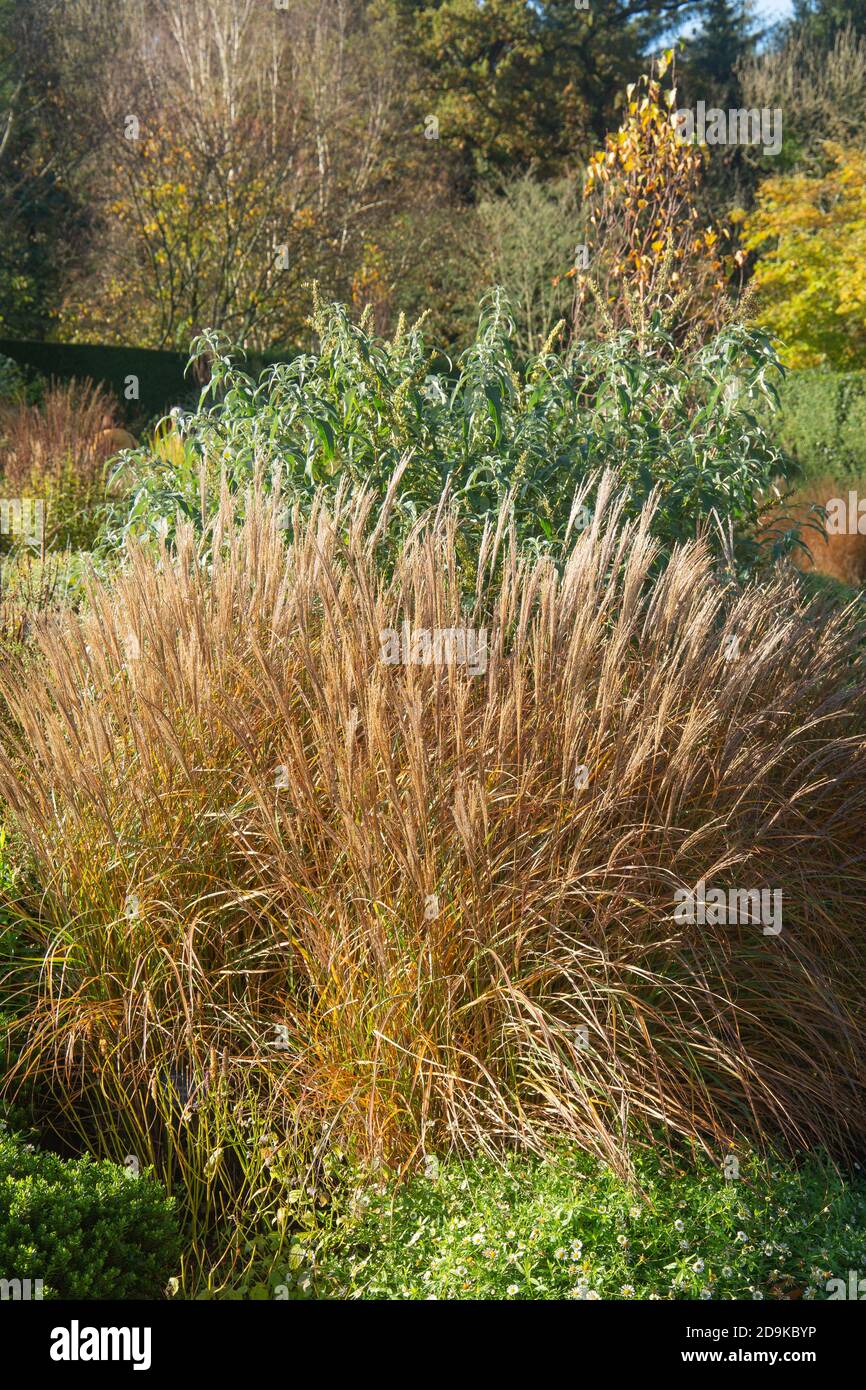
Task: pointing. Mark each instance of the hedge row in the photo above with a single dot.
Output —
(822, 423)
(159, 376)
(161, 380)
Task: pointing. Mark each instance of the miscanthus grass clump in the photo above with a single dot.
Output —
(295, 872)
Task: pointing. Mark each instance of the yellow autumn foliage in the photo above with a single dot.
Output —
(809, 232)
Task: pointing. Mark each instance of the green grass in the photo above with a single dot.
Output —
(567, 1227)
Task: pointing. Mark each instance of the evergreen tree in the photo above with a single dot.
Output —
(822, 19)
(711, 55)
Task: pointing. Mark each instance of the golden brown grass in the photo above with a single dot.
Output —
(57, 450)
(224, 956)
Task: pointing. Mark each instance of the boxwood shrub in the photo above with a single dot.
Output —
(86, 1229)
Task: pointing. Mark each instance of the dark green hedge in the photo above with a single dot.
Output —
(822, 423)
(162, 379)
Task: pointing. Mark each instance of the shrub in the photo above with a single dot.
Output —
(524, 234)
(570, 1227)
(821, 424)
(680, 419)
(820, 86)
(288, 890)
(88, 1230)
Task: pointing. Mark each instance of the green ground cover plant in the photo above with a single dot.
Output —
(567, 1226)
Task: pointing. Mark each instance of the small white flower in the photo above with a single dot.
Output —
(679, 1226)
(511, 1290)
(627, 1291)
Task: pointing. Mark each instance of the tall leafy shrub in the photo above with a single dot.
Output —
(489, 428)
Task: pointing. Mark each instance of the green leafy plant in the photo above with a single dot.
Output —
(677, 419)
(87, 1230)
(570, 1227)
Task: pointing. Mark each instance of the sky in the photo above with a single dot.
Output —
(773, 9)
(766, 12)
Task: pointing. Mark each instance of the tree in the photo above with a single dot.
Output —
(822, 19)
(239, 151)
(35, 204)
(651, 244)
(712, 55)
(810, 235)
(517, 85)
